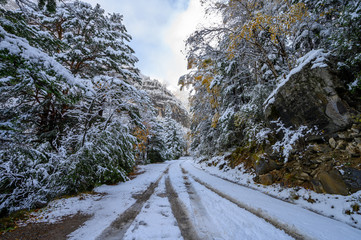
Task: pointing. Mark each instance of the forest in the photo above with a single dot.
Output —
(276, 91)
(275, 88)
(235, 66)
(73, 113)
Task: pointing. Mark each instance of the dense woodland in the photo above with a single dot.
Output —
(235, 66)
(264, 95)
(73, 113)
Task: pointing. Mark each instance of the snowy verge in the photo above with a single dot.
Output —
(310, 224)
(334, 206)
(104, 206)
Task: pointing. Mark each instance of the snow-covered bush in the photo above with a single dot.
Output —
(290, 138)
(30, 177)
(106, 157)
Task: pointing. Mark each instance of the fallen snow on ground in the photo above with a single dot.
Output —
(296, 218)
(334, 206)
(156, 220)
(217, 218)
(104, 207)
(210, 215)
(231, 222)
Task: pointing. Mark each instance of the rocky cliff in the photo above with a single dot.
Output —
(312, 96)
(165, 102)
(314, 132)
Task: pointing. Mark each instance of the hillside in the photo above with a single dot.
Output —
(165, 102)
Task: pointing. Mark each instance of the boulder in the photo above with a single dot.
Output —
(263, 166)
(341, 145)
(266, 179)
(332, 142)
(352, 178)
(332, 182)
(303, 176)
(320, 148)
(317, 186)
(353, 150)
(309, 96)
(343, 135)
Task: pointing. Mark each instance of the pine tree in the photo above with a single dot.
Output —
(36, 93)
(50, 5)
(66, 121)
(96, 44)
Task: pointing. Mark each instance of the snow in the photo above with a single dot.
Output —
(231, 222)
(295, 217)
(354, 15)
(20, 46)
(263, 134)
(212, 216)
(290, 137)
(156, 220)
(354, 83)
(317, 57)
(333, 206)
(105, 209)
(228, 113)
(217, 218)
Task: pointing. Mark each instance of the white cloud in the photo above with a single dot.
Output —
(143, 18)
(159, 29)
(180, 28)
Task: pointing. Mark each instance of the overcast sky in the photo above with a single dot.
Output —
(159, 29)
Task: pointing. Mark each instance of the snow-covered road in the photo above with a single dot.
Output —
(177, 200)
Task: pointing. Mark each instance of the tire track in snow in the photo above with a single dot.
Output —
(180, 213)
(119, 226)
(202, 216)
(275, 197)
(257, 212)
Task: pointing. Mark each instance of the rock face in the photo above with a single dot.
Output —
(309, 96)
(332, 182)
(313, 95)
(352, 178)
(264, 166)
(165, 101)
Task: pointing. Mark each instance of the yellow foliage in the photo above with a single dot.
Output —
(142, 137)
(191, 62)
(198, 78)
(279, 25)
(215, 120)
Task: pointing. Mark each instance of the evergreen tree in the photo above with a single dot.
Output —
(96, 44)
(66, 118)
(50, 5)
(235, 65)
(36, 93)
